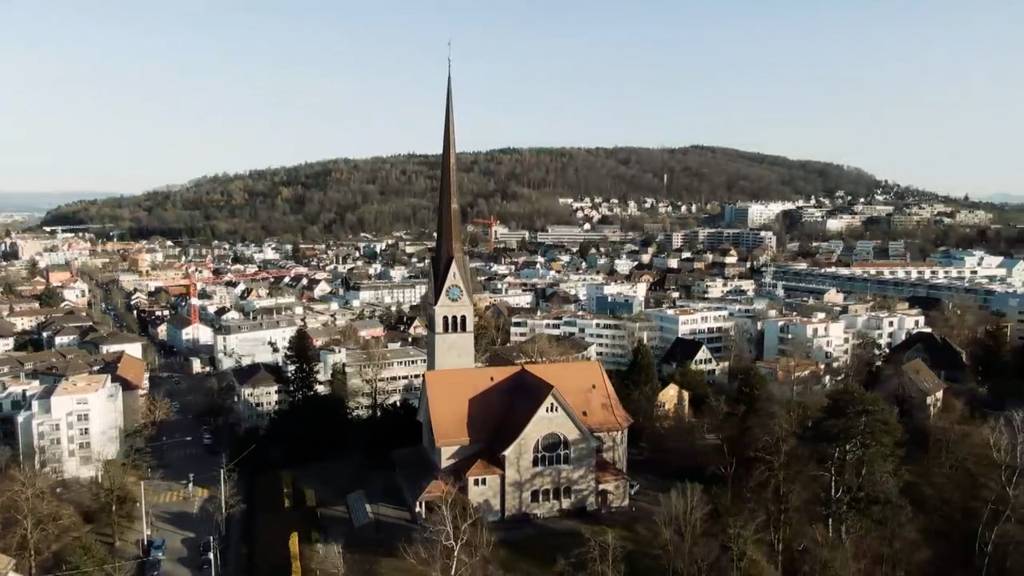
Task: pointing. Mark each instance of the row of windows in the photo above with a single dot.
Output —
(453, 323)
(548, 494)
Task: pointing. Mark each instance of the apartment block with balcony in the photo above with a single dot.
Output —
(71, 427)
(817, 338)
(886, 328)
(710, 325)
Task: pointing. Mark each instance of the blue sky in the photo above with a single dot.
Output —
(126, 96)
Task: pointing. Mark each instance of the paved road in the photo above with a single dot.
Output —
(182, 517)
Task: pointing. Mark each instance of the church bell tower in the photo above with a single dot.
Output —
(450, 318)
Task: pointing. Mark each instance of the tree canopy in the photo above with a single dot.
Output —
(336, 198)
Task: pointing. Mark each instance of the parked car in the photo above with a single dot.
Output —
(156, 547)
(149, 567)
(206, 565)
(205, 547)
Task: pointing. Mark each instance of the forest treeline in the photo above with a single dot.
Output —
(343, 197)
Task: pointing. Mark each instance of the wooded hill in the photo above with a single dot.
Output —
(342, 197)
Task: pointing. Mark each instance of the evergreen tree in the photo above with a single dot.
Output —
(51, 297)
(640, 385)
(302, 358)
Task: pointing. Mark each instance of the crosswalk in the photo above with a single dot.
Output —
(181, 495)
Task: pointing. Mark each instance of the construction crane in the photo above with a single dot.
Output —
(492, 225)
(193, 309)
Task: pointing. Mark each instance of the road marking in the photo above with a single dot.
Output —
(180, 495)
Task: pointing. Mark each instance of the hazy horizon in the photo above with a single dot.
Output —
(125, 98)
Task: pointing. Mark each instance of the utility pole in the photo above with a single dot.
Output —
(213, 565)
(223, 500)
(142, 499)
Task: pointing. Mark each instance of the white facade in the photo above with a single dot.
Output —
(710, 325)
(592, 291)
(243, 342)
(715, 288)
(74, 426)
(886, 328)
(824, 341)
(754, 214)
(395, 374)
(613, 339)
(387, 293)
(713, 238)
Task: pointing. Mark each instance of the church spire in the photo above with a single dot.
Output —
(448, 250)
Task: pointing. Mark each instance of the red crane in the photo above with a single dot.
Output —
(492, 225)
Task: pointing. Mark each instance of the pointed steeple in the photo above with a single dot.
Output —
(448, 249)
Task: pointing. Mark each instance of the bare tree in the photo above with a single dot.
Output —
(681, 519)
(30, 515)
(6, 453)
(602, 554)
(155, 410)
(371, 372)
(1006, 441)
(114, 494)
(454, 540)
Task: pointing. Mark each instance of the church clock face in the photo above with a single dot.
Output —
(454, 293)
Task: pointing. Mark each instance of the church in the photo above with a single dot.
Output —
(527, 440)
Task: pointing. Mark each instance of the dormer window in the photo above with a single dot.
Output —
(551, 408)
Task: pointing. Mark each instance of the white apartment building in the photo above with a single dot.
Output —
(563, 234)
(251, 341)
(593, 291)
(972, 217)
(403, 294)
(843, 222)
(714, 238)
(886, 328)
(613, 338)
(824, 341)
(393, 374)
(73, 426)
(754, 214)
(714, 288)
(710, 325)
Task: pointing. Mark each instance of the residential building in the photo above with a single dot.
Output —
(405, 294)
(391, 375)
(817, 338)
(185, 336)
(260, 392)
(73, 426)
(711, 325)
(252, 341)
(716, 288)
(886, 328)
(7, 332)
(754, 214)
(715, 238)
(613, 338)
(693, 353)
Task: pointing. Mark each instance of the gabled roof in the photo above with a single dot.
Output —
(940, 353)
(7, 330)
(258, 376)
(919, 380)
(682, 351)
(130, 372)
(486, 405)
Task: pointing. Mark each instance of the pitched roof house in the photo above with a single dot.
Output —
(535, 439)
